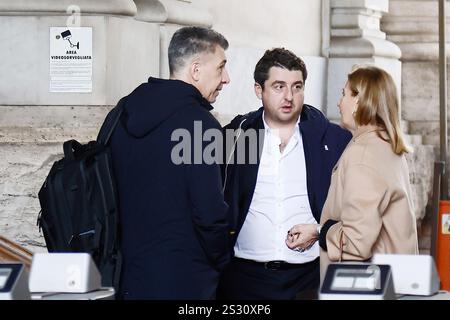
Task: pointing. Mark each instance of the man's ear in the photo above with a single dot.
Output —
(258, 90)
(194, 70)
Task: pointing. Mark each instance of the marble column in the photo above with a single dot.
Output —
(413, 26)
(356, 38)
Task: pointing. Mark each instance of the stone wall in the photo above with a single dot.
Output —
(34, 122)
(420, 163)
(30, 141)
(413, 26)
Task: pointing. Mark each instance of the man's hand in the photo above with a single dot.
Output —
(301, 237)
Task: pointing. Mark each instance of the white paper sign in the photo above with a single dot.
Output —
(71, 59)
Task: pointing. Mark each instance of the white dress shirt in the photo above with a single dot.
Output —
(279, 202)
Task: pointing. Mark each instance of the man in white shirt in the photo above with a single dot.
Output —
(286, 186)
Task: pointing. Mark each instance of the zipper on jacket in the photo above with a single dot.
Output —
(231, 155)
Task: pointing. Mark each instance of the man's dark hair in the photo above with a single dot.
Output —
(189, 41)
(278, 57)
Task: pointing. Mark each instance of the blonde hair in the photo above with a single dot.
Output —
(378, 103)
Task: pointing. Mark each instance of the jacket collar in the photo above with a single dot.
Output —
(185, 88)
(366, 130)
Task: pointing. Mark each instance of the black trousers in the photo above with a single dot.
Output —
(248, 280)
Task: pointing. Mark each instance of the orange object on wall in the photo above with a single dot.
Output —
(443, 244)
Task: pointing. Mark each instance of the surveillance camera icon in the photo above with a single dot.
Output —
(66, 36)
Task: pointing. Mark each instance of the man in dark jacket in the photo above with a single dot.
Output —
(173, 216)
(286, 185)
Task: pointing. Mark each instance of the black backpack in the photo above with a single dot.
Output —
(79, 202)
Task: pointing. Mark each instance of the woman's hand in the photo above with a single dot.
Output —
(301, 237)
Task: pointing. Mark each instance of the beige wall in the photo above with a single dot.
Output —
(295, 24)
(253, 26)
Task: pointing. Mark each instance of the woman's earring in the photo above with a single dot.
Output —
(354, 113)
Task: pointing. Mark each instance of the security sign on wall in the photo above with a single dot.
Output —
(71, 59)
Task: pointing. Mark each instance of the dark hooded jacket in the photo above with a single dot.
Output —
(323, 144)
(173, 216)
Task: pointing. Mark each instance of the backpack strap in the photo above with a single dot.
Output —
(111, 121)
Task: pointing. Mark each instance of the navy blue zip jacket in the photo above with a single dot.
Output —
(173, 217)
(323, 144)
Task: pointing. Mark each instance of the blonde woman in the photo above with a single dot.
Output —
(369, 207)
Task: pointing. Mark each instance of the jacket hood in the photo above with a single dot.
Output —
(154, 102)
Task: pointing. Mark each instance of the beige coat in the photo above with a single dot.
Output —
(370, 196)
